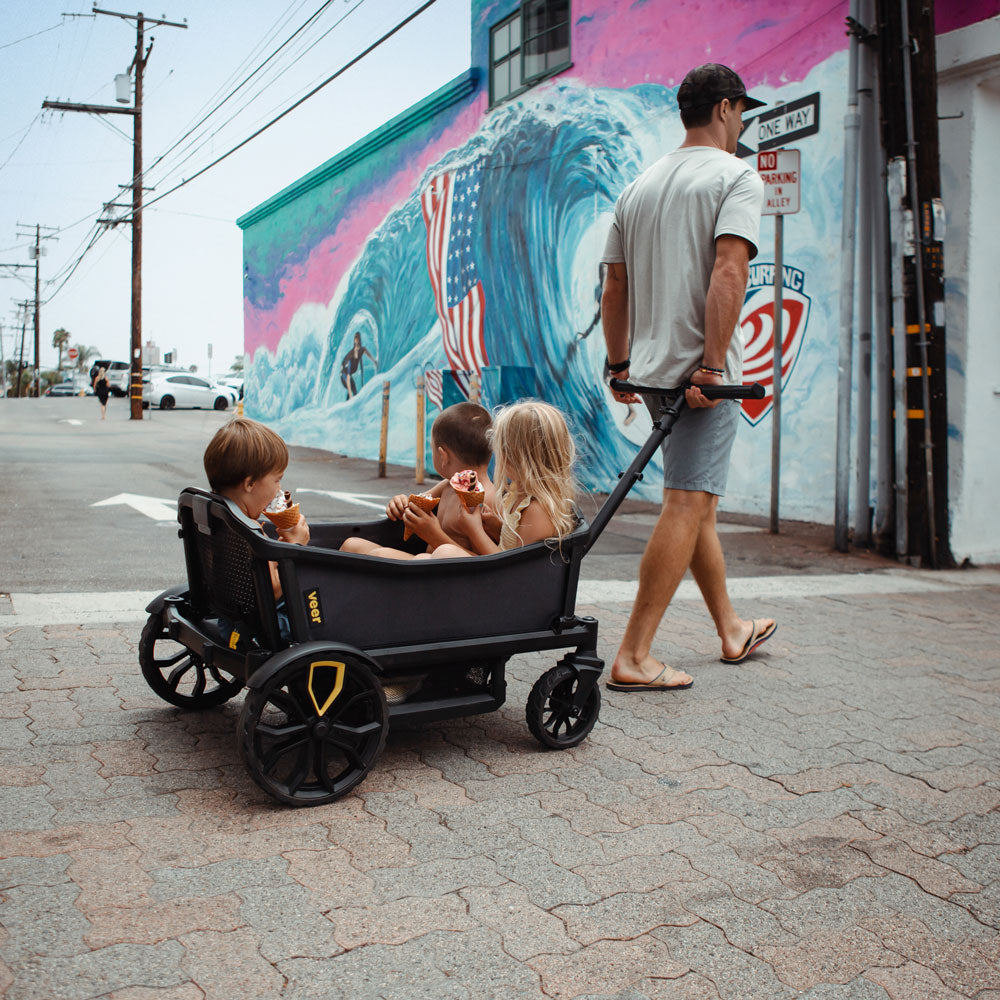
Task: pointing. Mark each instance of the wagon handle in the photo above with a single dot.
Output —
(662, 425)
(754, 391)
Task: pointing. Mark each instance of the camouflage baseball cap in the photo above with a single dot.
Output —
(709, 84)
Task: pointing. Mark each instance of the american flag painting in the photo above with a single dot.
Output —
(432, 385)
(449, 204)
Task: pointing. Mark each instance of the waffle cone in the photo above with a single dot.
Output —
(424, 503)
(284, 519)
(470, 498)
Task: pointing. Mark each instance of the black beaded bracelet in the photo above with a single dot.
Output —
(711, 371)
(620, 367)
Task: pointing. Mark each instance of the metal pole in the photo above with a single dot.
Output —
(863, 484)
(923, 329)
(3, 367)
(779, 309)
(20, 360)
(421, 429)
(383, 442)
(847, 246)
(897, 230)
(135, 374)
(37, 380)
(876, 178)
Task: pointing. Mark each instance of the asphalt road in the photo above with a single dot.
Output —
(60, 460)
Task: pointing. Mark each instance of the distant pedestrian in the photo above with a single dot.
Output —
(678, 257)
(102, 389)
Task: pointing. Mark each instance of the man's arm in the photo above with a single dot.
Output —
(614, 319)
(726, 290)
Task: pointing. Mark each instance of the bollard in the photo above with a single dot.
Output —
(421, 430)
(239, 408)
(383, 443)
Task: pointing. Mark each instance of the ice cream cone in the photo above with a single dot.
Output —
(471, 499)
(422, 501)
(284, 519)
(469, 489)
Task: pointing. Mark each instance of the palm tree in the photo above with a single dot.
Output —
(59, 340)
(84, 354)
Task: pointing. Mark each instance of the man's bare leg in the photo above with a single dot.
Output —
(666, 559)
(708, 567)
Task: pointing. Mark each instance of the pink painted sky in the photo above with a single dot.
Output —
(952, 14)
(762, 42)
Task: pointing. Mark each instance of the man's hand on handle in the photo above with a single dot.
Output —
(694, 396)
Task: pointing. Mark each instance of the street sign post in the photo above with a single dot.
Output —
(781, 172)
(72, 354)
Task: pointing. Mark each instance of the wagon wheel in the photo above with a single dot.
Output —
(177, 675)
(314, 729)
(550, 714)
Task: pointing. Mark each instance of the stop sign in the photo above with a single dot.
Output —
(72, 353)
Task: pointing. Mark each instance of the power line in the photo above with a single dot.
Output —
(199, 143)
(18, 41)
(312, 17)
(333, 76)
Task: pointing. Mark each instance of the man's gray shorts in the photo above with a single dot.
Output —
(696, 452)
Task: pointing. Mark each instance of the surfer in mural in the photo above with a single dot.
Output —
(678, 255)
(353, 360)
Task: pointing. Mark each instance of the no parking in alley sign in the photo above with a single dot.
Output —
(780, 171)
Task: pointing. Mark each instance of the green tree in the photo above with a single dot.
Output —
(59, 340)
(237, 365)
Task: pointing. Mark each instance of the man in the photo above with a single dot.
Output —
(678, 257)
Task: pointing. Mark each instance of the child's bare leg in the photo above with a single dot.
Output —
(383, 552)
(359, 545)
(446, 551)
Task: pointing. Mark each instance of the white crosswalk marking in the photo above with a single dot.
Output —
(128, 605)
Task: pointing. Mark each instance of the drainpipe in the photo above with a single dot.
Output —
(897, 231)
(862, 492)
(847, 247)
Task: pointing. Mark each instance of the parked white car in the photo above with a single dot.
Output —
(169, 389)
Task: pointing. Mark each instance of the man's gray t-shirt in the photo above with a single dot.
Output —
(666, 224)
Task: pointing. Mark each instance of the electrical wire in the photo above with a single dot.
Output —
(333, 76)
(18, 41)
(199, 143)
(312, 17)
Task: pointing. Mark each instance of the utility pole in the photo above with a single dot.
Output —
(908, 76)
(36, 251)
(139, 61)
(22, 308)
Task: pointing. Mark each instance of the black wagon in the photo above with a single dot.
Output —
(373, 641)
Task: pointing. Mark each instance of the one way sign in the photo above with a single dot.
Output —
(780, 126)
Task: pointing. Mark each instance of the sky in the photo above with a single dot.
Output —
(57, 169)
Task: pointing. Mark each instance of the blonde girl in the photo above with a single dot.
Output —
(534, 456)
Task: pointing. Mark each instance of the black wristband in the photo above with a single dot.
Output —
(620, 367)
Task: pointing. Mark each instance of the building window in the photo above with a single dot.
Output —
(546, 37)
(505, 59)
(528, 46)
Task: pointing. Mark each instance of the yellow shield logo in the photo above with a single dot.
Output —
(326, 678)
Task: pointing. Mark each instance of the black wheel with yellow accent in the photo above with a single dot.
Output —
(550, 712)
(177, 675)
(313, 730)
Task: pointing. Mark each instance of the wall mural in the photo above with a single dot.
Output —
(488, 259)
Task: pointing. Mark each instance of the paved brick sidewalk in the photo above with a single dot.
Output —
(822, 822)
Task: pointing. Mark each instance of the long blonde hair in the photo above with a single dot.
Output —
(534, 458)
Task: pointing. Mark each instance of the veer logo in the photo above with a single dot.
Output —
(757, 325)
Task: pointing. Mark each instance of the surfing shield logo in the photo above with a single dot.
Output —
(757, 325)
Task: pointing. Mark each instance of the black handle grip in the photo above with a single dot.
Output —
(754, 391)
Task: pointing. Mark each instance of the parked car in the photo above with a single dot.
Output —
(234, 382)
(169, 389)
(69, 388)
(118, 375)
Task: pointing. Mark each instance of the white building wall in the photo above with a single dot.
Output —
(969, 84)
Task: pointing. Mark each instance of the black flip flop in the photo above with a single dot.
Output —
(648, 685)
